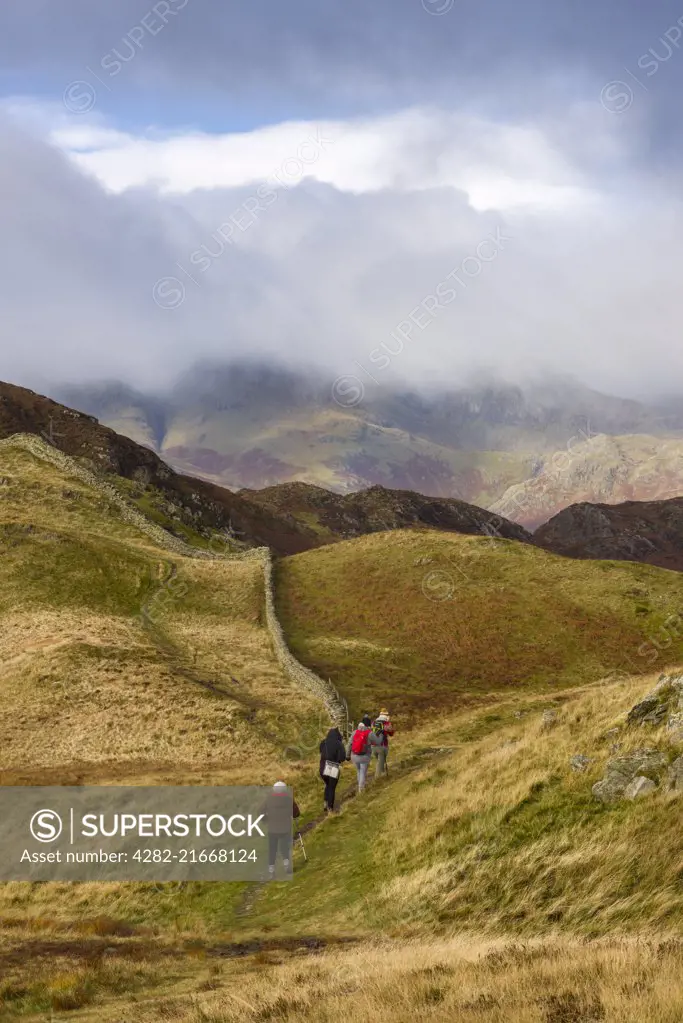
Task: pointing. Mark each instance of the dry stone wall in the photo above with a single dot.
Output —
(335, 704)
(298, 674)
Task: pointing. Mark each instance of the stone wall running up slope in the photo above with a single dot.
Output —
(298, 674)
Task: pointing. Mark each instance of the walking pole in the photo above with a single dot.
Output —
(303, 847)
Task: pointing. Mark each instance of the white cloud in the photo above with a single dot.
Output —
(498, 166)
(328, 270)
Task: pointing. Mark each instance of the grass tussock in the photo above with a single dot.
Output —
(62, 985)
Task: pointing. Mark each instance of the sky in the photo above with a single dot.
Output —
(421, 190)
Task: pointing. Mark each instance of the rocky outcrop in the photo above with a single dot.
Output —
(640, 786)
(639, 766)
(662, 705)
(645, 531)
(641, 772)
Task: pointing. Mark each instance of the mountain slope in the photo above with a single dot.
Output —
(495, 833)
(142, 663)
(600, 469)
(289, 518)
(254, 425)
(432, 621)
(183, 504)
(645, 531)
(481, 825)
(342, 516)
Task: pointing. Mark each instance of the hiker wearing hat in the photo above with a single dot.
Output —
(332, 756)
(383, 728)
(280, 810)
(360, 749)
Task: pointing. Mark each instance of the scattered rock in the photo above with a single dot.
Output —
(659, 704)
(640, 786)
(579, 762)
(649, 711)
(620, 772)
(675, 776)
(549, 718)
(675, 727)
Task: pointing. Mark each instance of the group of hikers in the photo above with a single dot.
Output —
(370, 739)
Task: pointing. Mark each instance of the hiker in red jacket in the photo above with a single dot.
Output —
(383, 728)
(280, 810)
(360, 749)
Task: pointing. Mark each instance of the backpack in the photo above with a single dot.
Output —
(359, 742)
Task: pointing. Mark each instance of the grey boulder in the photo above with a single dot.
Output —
(640, 786)
(620, 772)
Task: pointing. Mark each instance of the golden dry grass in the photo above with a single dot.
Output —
(500, 835)
(119, 661)
(508, 836)
(492, 833)
(462, 980)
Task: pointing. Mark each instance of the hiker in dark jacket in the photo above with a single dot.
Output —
(280, 810)
(332, 756)
(384, 729)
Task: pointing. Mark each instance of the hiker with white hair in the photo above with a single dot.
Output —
(360, 749)
(280, 810)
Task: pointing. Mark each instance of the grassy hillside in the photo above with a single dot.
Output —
(138, 663)
(431, 620)
(479, 882)
(499, 835)
(124, 662)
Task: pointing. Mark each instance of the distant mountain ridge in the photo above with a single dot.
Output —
(288, 519)
(291, 518)
(250, 425)
(646, 531)
(601, 469)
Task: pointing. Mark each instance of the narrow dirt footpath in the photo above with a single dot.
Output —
(399, 769)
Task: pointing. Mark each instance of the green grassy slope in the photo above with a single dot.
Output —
(500, 835)
(427, 619)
